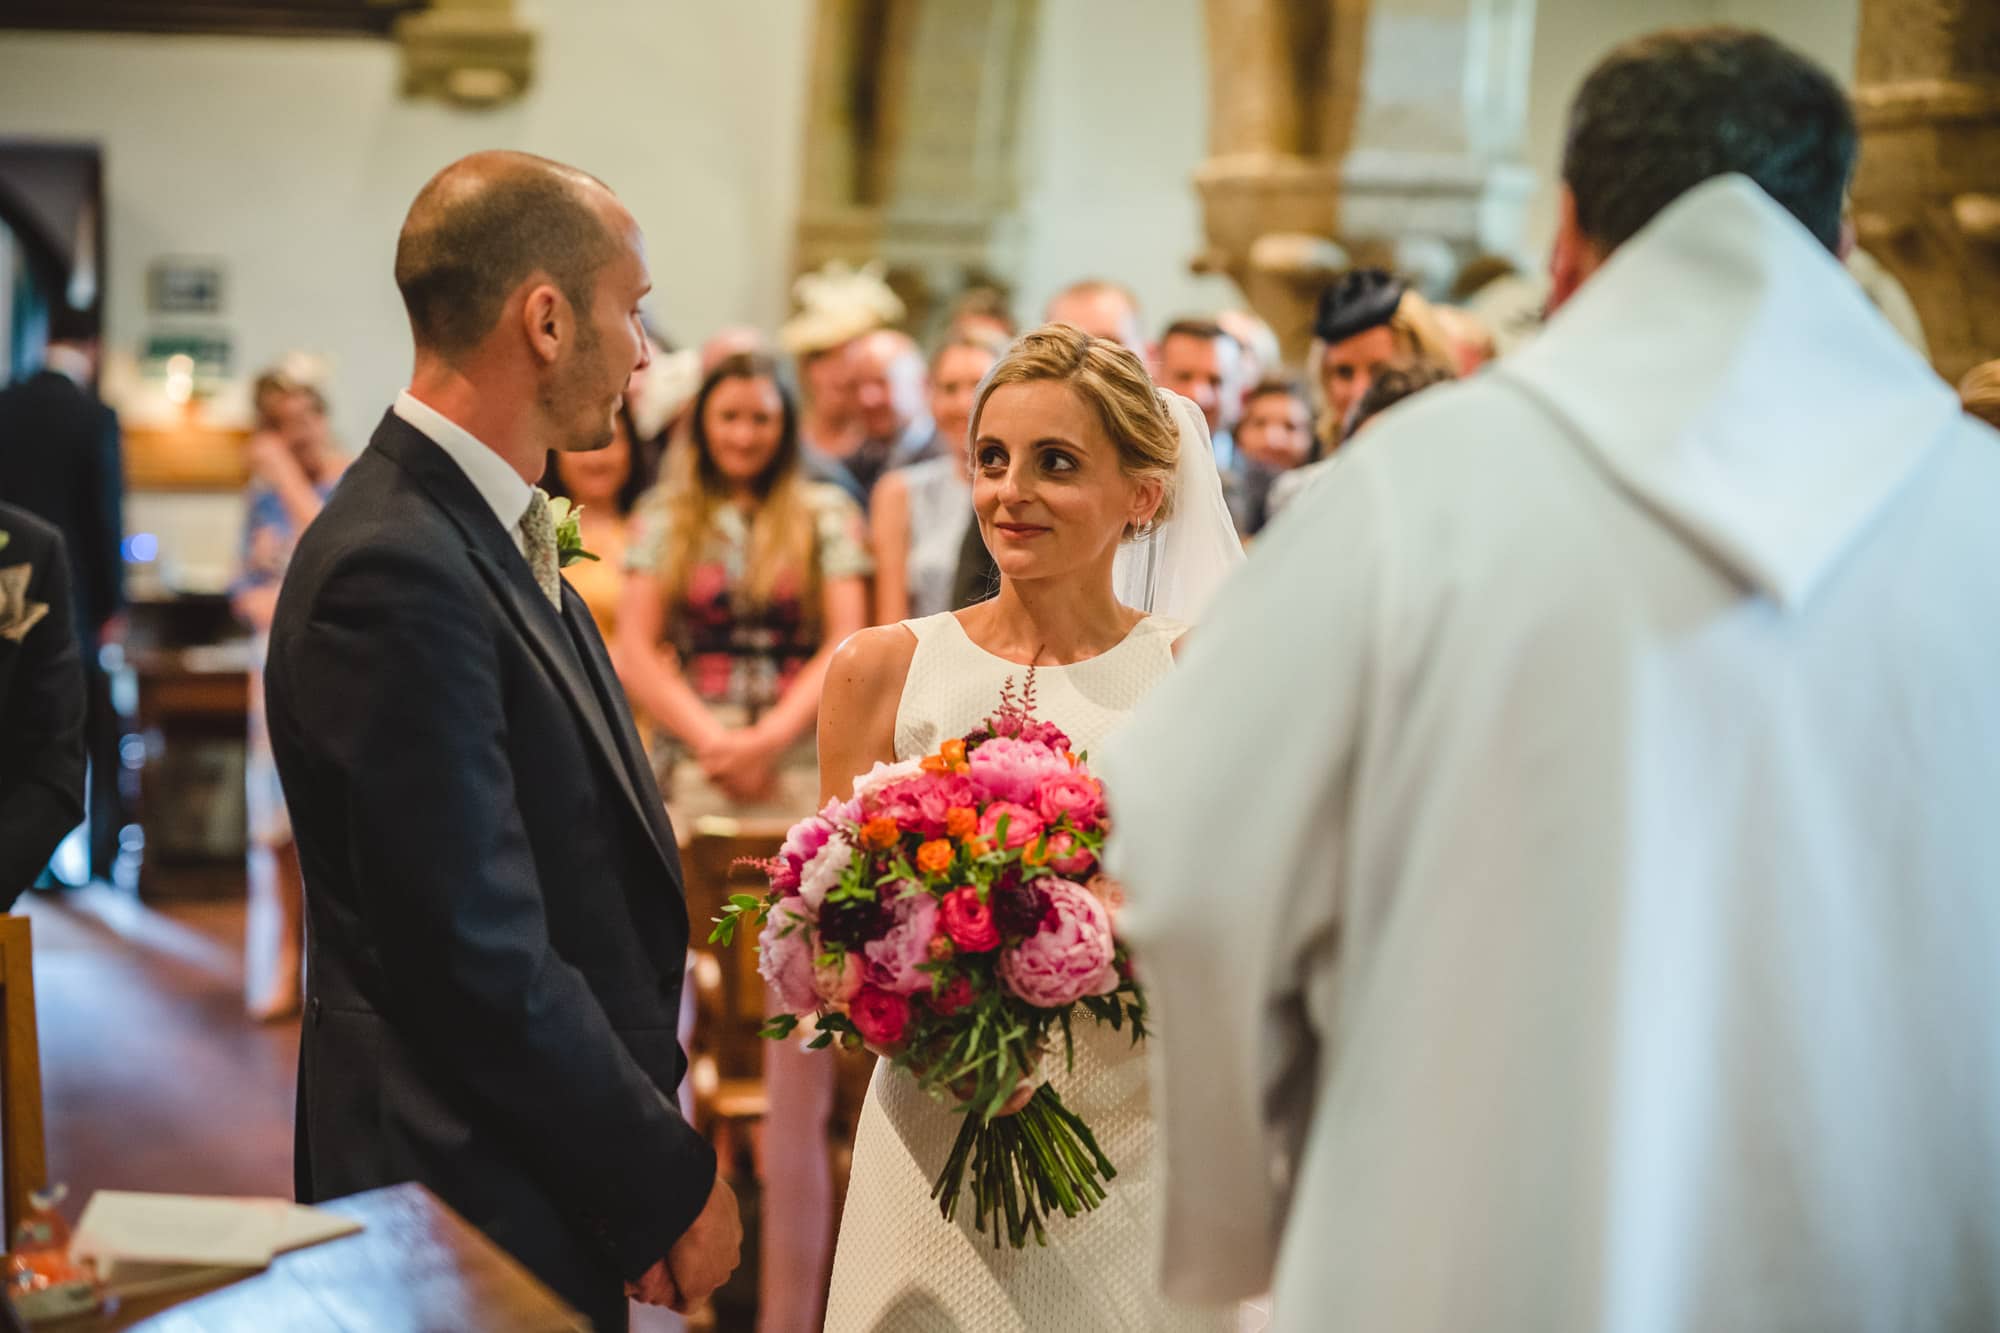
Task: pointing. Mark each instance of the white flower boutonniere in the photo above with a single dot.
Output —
(18, 615)
(569, 532)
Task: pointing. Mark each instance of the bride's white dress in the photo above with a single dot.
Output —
(901, 1268)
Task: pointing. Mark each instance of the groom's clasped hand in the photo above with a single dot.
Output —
(700, 1261)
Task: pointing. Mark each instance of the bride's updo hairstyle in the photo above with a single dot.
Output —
(1115, 385)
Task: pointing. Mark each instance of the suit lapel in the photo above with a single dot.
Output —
(513, 583)
(611, 696)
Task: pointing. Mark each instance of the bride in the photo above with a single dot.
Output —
(1074, 456)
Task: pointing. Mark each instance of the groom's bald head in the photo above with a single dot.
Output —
(482, 227)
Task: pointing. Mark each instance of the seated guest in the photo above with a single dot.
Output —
(981, 311)
(918, 522)
(41, 700)
(1979, 391)
(294, 466)
(743, 575)
(1199, 362)
(896, 424)
(1274, 437)
(606, 484)
(1390, 386)
(1103, 310)
(1367, 320)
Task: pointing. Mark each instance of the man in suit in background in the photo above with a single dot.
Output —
(59, 460)
(497, 932)
(41, 701)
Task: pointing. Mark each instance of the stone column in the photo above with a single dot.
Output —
(1345, 130)
(1927, 191)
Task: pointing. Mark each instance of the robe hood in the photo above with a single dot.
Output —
(1728, 373)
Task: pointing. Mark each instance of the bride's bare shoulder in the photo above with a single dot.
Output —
(872, 663)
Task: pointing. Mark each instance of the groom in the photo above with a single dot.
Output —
(497, 931)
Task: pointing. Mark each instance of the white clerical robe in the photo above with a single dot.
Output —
(1566, 865)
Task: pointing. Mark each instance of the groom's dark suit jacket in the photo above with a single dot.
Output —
(496, 932)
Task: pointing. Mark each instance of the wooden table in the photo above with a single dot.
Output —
(415, 1265)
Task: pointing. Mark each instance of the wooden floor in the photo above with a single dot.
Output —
(152, 1077)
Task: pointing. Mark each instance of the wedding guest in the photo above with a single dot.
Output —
(607, 484)
(922, 513)
(294, 466)
(838, 306)
(1199, 361)
(1389, 387)
(743, 576)
(1103, 310)
(1367, 320)
(896, 424)
(1979, 391)
(60, 460)
(1274, 439)
(1618, 953)
(41, 700)
(1259, 356)
(982, 311)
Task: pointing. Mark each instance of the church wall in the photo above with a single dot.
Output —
(292, 161)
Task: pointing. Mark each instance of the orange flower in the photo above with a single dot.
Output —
(880, 833)
(1037, 853)
(941, 947)
(961, 822)
(978, 846)
(1071, 756)
(953, 752)
(934, 857)
(934, 763)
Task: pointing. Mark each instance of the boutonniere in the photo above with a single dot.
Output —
(569, 532)
(18, 615)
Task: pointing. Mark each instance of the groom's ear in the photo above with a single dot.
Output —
(546, 321)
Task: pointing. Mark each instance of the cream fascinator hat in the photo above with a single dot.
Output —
(838, 304)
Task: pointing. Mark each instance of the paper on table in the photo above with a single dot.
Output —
(186, 1229)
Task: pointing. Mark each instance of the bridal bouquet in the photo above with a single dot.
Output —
(949, 916)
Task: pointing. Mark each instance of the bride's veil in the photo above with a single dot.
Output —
(1174, 570)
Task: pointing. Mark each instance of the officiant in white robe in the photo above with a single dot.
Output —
(1566, 865)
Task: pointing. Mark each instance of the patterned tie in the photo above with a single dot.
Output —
(538, 540)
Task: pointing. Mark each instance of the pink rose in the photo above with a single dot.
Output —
(1071, 793)
(883, 775)
(921, 804)
(891, 962)
(1069, 857)
(836, 983)
(880, 1016)
(969, 922)
(1023, 824)
(1011, 770)
(785, 953)
(1070, 958)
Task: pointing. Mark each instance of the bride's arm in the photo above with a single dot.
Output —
(857, 706)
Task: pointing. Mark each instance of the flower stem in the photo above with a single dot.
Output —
(1023, 1168)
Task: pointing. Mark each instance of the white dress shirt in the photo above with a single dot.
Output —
(490, 474)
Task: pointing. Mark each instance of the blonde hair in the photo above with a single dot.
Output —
(1979, 392)
(1116, 387)
(783, 535)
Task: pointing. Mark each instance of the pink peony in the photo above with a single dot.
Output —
(802, 843)
(1045, 733)
(1072, 955)
(883, 775)
(1012, 770)
(880, 1016)
(892, 961)
(785, 952)
(969, 922)
(1023, 824)
(1075, 794)
(836, 983)
(821, 875)
(1069, 857)
(920, 804)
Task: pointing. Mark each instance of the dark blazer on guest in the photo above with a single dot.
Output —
(41, 708)
(59, 458)
(496, 928)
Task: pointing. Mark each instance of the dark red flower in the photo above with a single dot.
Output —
(968, 921)
(957, 993)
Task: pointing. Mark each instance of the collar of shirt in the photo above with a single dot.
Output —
(496, 481)
(69, 363)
